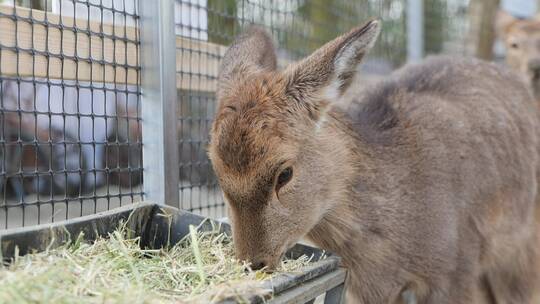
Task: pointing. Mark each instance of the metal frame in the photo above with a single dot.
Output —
(415, 30)
(158, 85)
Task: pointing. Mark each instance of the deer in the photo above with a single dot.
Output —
(426, 185)
(521, 39)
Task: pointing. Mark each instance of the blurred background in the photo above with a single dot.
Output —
(70, 91)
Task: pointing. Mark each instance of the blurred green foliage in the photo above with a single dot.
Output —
(326, 19)
(222, 20)
(435, 25)
(302, 26)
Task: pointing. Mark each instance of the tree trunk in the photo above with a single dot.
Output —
(482, 15)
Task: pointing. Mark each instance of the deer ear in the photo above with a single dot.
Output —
(330, 70)
(252, 52)
(503, 22)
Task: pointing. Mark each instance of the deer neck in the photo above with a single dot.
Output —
(360, 181)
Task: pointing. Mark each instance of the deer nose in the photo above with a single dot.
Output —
(534, 66)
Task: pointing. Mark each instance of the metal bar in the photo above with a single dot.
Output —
(158, 79)
(311, 289)
(335, 295)
(415, 30)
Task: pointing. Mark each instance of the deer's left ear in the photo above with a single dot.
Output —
(252, 52)
(503, 23)
(331, 69)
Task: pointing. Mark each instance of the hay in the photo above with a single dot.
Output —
(201, 268)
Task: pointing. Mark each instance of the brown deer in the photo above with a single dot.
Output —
(521, 38)
(426, 185)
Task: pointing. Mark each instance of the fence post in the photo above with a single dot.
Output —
(158, 86)
(415, 30)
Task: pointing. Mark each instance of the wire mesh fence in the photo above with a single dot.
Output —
(299, 27)
(70, 100)
(70, 124)
(205, 28)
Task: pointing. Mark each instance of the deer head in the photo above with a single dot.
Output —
(273, 147)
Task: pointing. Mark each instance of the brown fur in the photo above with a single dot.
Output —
(425, 184)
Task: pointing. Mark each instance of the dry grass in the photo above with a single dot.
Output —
(201, 268)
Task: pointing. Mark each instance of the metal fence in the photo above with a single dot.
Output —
(70, 139)
(93, 89)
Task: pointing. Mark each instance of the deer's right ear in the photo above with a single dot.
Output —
(329, 71)
(252, 52)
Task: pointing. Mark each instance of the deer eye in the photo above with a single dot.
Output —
(284, 177)
(514, 45)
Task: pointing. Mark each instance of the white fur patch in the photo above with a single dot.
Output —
(362, 44)
(322, 120)
(331, 91)
(344, 60)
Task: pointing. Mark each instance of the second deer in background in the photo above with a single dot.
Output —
(521, 39)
